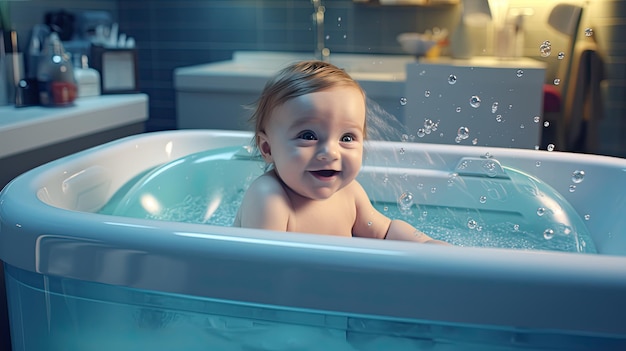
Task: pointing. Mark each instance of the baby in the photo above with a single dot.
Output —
(310, 128)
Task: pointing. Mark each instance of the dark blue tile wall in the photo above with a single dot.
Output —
(174, 33)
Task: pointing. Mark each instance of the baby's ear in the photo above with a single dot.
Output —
(264, 147)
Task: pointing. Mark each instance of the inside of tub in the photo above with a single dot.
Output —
(479, 203)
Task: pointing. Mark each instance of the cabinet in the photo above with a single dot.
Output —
(479, 101)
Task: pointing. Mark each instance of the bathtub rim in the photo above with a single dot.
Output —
(474, 271)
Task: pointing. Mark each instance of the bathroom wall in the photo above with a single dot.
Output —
(180, 33)
(174, 33)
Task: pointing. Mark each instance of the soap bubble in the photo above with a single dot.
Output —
(452, 79)
(405, 201)
(471, 224)
(475, 101)
(463, 133)
(421, 133)
(548, 234)
(546, 124)
(578, 176)
(520, 73)
(545, 49)
(402, 101)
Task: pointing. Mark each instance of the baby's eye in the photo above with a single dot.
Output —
(347, 138)
(307, 135)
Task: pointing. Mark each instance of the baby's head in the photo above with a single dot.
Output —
(295, 80)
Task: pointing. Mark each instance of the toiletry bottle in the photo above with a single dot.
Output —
(55, 75)
(87, 79)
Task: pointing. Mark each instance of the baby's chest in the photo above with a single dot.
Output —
(325, 218)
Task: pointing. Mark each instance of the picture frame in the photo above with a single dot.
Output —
(117, 67)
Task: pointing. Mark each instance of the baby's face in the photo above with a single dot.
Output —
(316, 141)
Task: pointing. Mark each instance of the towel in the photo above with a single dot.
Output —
(583, 105)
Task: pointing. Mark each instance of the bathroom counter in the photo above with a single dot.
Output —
(31, 136)
(27, 128)
(212, 95)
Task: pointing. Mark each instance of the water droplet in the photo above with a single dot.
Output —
(520, 73)
(499, 118)
(475, 141)
(405, 201)
(561, 55)
(421, 133)
(482, 199)
(522, 126)
(433, 190)
(452, 79)
(386, 208)
(545, 49)
(327, 37)
(557, 81)
(402, 151)
(494, 107)
(475, 101)
(546, 124)
(471, 224)
(536, 119)
(403, 101)
(578, 176)
(369, 224)
(452, 178)
(491, 168)
(404, 138)
(385, 180)
(538, 164)
(463, 133)
(458, 109)
(587, 217)
(541, 211)
(548, 234)
(338, 19)
(427, 93)
(572, 188)
(588, 32)
(550, 147)
(516, 227)
(345, 36)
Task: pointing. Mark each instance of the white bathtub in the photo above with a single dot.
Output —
(77, 279)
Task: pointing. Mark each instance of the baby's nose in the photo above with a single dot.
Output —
(327, 153)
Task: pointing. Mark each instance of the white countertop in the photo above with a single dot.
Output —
(27, 128)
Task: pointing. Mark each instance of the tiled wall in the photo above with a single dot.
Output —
(175, 33)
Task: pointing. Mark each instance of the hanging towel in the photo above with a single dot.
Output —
(583, 108)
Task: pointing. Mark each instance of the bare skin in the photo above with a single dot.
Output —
(315, 142)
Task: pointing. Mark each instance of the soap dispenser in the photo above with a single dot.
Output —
(55, 74)
(87, 79)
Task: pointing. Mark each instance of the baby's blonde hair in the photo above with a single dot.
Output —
(295, 80)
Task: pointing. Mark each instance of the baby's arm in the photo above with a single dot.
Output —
(264, 206)
(373, 224)
(401, 230)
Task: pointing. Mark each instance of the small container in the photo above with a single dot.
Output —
(87, 79)
(55, 75)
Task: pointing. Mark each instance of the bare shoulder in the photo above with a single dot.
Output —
(265, 204)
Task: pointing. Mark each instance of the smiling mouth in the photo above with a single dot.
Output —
(324, 173)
